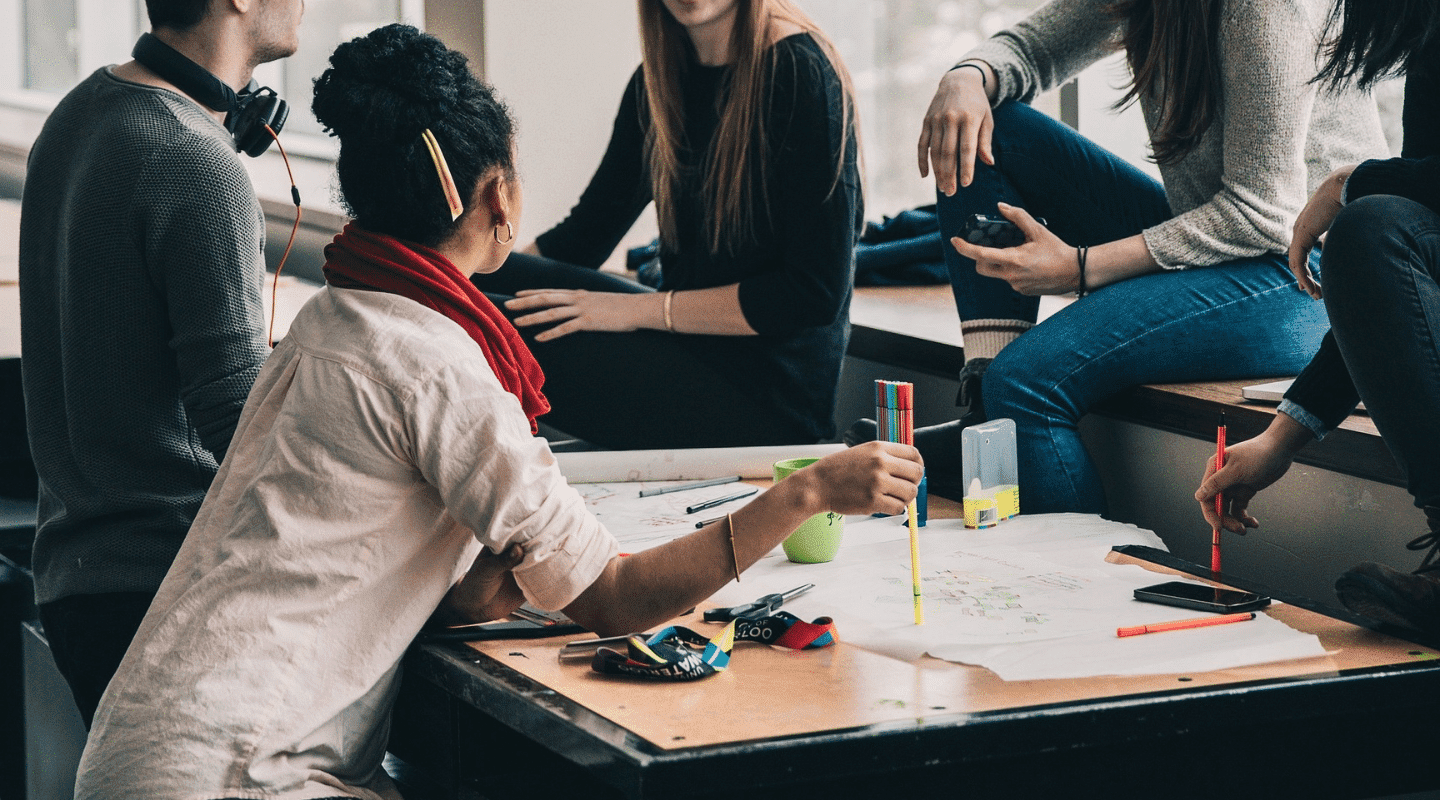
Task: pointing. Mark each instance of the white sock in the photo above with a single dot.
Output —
(985, 338)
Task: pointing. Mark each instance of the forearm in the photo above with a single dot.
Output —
(1117, 261)
(1285, 436)
(714, 311)
(638, 591)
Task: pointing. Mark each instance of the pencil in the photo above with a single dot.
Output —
(1185, 624)
(682, 487)
(1219, 496)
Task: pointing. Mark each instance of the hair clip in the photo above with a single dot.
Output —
(447, 183)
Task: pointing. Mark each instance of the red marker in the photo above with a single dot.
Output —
(1184, 624)
(1219, 496)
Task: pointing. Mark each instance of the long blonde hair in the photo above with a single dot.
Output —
(735, 168)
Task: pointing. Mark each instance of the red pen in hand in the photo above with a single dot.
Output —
(1219, 496)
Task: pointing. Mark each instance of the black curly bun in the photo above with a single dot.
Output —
(380, 92)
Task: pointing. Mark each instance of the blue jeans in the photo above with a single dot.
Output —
(1239, 319)
(1382, 260)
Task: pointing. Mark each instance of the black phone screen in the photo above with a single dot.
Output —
(1203, 598)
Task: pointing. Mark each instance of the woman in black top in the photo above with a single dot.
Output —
(1380, 278)
(754, 175)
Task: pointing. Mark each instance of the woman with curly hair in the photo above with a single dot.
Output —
(739, 126)
(385, 465)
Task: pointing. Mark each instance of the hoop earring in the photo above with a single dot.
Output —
(509, 234)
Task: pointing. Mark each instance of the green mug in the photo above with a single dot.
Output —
(817, 540)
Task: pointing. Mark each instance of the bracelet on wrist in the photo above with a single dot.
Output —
(1081, 253)
(984, 84)
(669, 323)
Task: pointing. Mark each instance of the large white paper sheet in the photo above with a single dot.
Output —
(640, 523)
(1030, 599)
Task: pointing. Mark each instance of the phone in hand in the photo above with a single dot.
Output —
(988, 231)
(1201, 598)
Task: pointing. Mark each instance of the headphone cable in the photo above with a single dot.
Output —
(294, 196)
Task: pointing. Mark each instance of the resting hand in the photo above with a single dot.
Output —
(1044, 264)
(1313, 221)
(875, 477)
(956, 129)
(578, 310)
(488, 590)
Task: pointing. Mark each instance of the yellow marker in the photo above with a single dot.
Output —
(915, 564)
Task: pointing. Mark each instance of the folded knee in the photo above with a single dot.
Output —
(1369, 234)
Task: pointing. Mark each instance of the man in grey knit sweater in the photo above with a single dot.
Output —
(142, 329)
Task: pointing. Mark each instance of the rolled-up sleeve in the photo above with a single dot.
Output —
(1324, 394)
(473, 444)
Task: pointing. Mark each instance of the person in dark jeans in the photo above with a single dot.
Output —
(1169, 273)
(1380, 279)
(141, 271)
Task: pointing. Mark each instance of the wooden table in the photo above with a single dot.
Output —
(509, 719)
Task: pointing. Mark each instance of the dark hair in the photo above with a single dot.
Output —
(379, 93)
(1174, 44)
(1370, 40)
(178, 14)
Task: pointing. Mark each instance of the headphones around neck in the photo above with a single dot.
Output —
(246, 113)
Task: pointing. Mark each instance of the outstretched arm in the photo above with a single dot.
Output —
(636, 592)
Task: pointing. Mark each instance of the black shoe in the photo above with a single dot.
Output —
(861, 431)
(970, 397)
(1429, 541)
(1389, 595)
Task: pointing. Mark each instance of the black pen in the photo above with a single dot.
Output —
(717, 501)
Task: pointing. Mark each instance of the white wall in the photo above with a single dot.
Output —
(562, 66)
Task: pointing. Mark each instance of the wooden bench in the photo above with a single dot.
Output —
(915, 328)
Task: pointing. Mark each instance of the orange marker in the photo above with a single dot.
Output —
(1183, 624)
(1219, 496)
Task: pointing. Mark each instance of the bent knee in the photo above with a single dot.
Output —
(1372, 231)
(1016, 386)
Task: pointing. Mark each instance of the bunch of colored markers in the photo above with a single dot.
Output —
(895, 415)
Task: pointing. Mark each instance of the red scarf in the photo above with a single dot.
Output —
(359, 259)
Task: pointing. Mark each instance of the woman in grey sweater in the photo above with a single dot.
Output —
(1183, 281)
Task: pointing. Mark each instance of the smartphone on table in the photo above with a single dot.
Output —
(1201, 597)
(988, 231)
